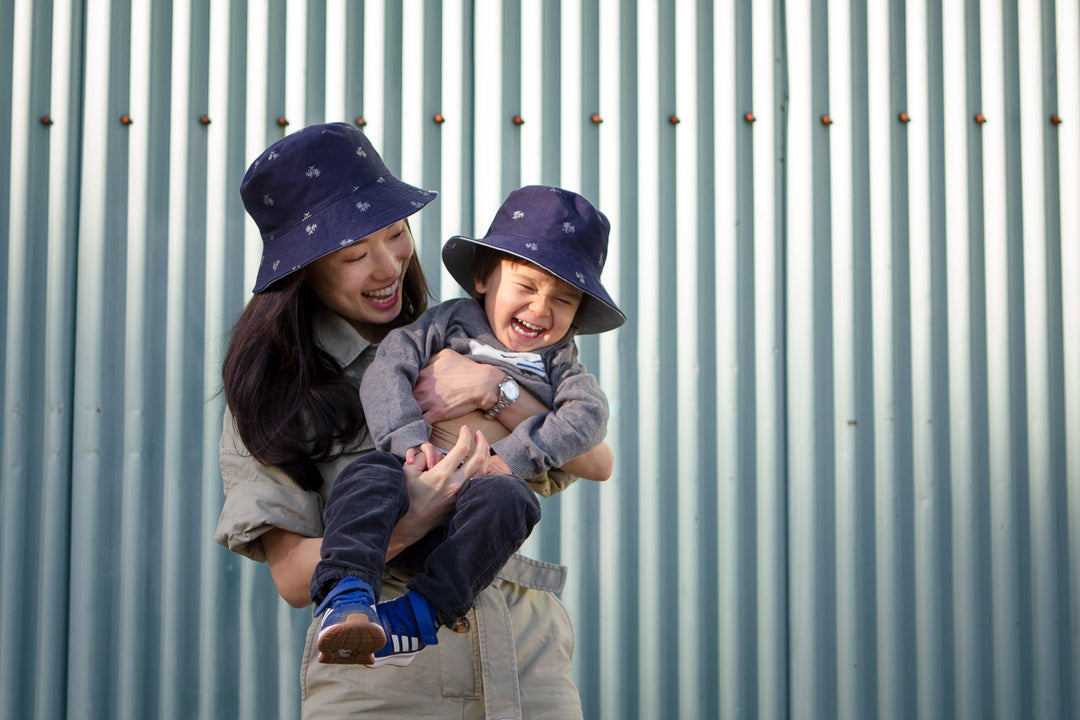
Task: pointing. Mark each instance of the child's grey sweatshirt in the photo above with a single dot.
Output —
(576, 424)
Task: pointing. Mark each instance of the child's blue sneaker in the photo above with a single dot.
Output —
(410, 625)
(350, 630)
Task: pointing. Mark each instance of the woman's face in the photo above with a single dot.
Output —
(362, 282)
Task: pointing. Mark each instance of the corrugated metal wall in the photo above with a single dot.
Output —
(847, 236)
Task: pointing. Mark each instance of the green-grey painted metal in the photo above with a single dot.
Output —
(841, 405)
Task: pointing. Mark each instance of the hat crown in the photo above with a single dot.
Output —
(556, 218)
(556, 230)
(305, 171)
(318, 190)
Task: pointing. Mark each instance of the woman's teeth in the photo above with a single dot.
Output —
(381, 296)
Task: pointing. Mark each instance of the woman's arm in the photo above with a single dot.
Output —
(292, 559)
(433, 482)
(596, 464)
(452, 385)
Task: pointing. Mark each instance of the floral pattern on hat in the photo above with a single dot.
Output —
(302, 194)
(565, 235)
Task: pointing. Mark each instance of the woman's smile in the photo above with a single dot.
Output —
(384, 297)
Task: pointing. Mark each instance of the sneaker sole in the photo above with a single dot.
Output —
(397, 660)
(352, 642)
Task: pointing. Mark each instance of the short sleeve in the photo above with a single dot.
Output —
(258, 498)
(553, 481)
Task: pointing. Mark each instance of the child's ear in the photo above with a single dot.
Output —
(481, 285)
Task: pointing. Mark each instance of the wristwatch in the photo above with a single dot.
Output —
(508, 393)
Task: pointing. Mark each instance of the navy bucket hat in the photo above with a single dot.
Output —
(318, 190)
(557, 230)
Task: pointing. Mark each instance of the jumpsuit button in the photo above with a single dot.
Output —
(461, 625)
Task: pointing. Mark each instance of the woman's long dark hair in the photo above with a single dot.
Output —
(291, 402)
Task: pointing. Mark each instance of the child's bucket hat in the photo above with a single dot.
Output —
(318, 190)
(557, 230)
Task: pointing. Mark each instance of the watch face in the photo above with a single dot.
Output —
(509, 388)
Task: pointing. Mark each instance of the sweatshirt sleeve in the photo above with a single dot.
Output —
(576, 424)
(386, 391)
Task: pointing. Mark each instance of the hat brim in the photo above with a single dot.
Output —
(339, 224)
(598, 312)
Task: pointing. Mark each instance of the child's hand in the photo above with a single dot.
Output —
(427, 455)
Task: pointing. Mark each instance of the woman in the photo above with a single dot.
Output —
(339, 269)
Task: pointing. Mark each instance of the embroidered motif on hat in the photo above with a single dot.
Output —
(345, 242)
(340, 162)
(275, 265)
(563, 232)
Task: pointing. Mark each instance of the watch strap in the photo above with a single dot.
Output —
(502, 403)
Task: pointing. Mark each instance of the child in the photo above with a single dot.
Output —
(535, 281)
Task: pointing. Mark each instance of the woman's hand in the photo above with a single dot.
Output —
(452, 385)
(433, 481)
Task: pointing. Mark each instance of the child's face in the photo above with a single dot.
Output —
(527, 308)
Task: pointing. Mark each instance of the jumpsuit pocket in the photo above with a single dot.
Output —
(457, 652)
(459, 661)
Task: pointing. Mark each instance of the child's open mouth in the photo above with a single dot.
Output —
(527, 329)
